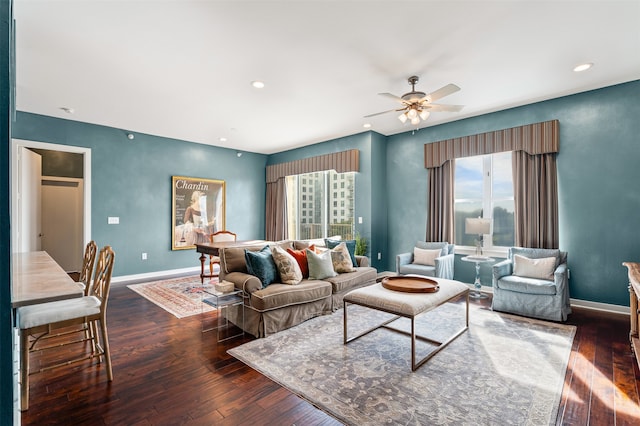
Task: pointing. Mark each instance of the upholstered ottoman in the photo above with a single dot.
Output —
(407, 305)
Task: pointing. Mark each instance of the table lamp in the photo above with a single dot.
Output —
(477, 226)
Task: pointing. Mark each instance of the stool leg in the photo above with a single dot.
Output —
(24, 370)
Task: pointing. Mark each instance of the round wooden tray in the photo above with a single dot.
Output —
(410, 284)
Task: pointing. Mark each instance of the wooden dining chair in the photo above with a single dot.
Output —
(37, 322)
(88, 262)
(217, 237)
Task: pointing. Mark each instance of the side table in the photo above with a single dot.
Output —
(477, 294)
(222, 301)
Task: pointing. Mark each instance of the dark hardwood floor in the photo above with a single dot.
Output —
(167, 372)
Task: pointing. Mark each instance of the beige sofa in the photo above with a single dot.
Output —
(279, 306)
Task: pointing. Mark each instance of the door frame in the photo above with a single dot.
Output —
(86, 172)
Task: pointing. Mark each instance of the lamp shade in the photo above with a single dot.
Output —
(477, 226)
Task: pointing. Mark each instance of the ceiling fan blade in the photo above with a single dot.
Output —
(446, 108)
(394, 97)
(380, 113)
(441, 92)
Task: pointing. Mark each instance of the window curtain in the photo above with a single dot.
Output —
(534, 148)
(276, 211)
(276, 202)
(536, 200)
(440, 216)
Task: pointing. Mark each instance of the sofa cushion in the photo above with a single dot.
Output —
(341, 259)
(234, 259)
(431, 245)
(320, 265)
(301, 257)
(526, 285)
(261, 265)
(412, 268)
(538, 253)
(280, 295)
(287, 265)
(426, 256)
(351, 246)
(349, 280)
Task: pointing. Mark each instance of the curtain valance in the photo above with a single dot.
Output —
(341, 162)
(538, 138)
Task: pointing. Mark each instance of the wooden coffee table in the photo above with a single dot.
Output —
(407, 305)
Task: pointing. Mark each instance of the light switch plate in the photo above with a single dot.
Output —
(113, 220)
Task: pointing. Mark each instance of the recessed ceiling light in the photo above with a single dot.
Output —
(583, 67)
(67, 110)
(222, 139)
(366, 125)
(257, 84)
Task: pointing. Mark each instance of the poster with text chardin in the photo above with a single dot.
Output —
(198, 210)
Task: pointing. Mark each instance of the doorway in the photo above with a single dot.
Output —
(64, 201)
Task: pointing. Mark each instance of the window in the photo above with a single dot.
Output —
(323, 218)
(484, 188)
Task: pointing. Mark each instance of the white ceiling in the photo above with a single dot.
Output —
(182, 69)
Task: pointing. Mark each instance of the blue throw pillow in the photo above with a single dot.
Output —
(351, 246)
(261, 264)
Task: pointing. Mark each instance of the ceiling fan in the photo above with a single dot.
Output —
(418, 105)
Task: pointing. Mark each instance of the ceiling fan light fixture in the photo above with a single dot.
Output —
(424, 114)
(412, 113)
(402, 117)
(415, 120)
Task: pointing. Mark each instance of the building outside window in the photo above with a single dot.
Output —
(323, 220)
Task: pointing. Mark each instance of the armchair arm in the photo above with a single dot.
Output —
(561, 277)
(246, 282)
(362, 261)
(403, 259)
(502, 269)
(444, 266)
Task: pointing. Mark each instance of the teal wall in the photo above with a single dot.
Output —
(131, 179)
(598, 172)
(6, 319)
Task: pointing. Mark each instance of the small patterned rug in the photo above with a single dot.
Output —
(505, 370)
(179, 296)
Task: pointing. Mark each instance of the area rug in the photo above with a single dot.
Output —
(505, 369)
(179, 296)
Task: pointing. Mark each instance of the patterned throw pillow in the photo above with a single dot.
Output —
(320, 265)
(301, 257)
(341, 259)
(351, 246)
(261, 264)
(287, 265)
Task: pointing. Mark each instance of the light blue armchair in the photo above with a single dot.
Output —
(443, 264)
(541, 287)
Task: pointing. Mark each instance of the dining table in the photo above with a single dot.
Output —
(213, 249)
(38, 278)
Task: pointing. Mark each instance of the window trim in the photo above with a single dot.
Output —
(487, 206)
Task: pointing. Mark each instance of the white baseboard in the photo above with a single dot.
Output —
(152, 276)
(597, 306)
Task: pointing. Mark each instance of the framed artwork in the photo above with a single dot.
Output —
(198, 209)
